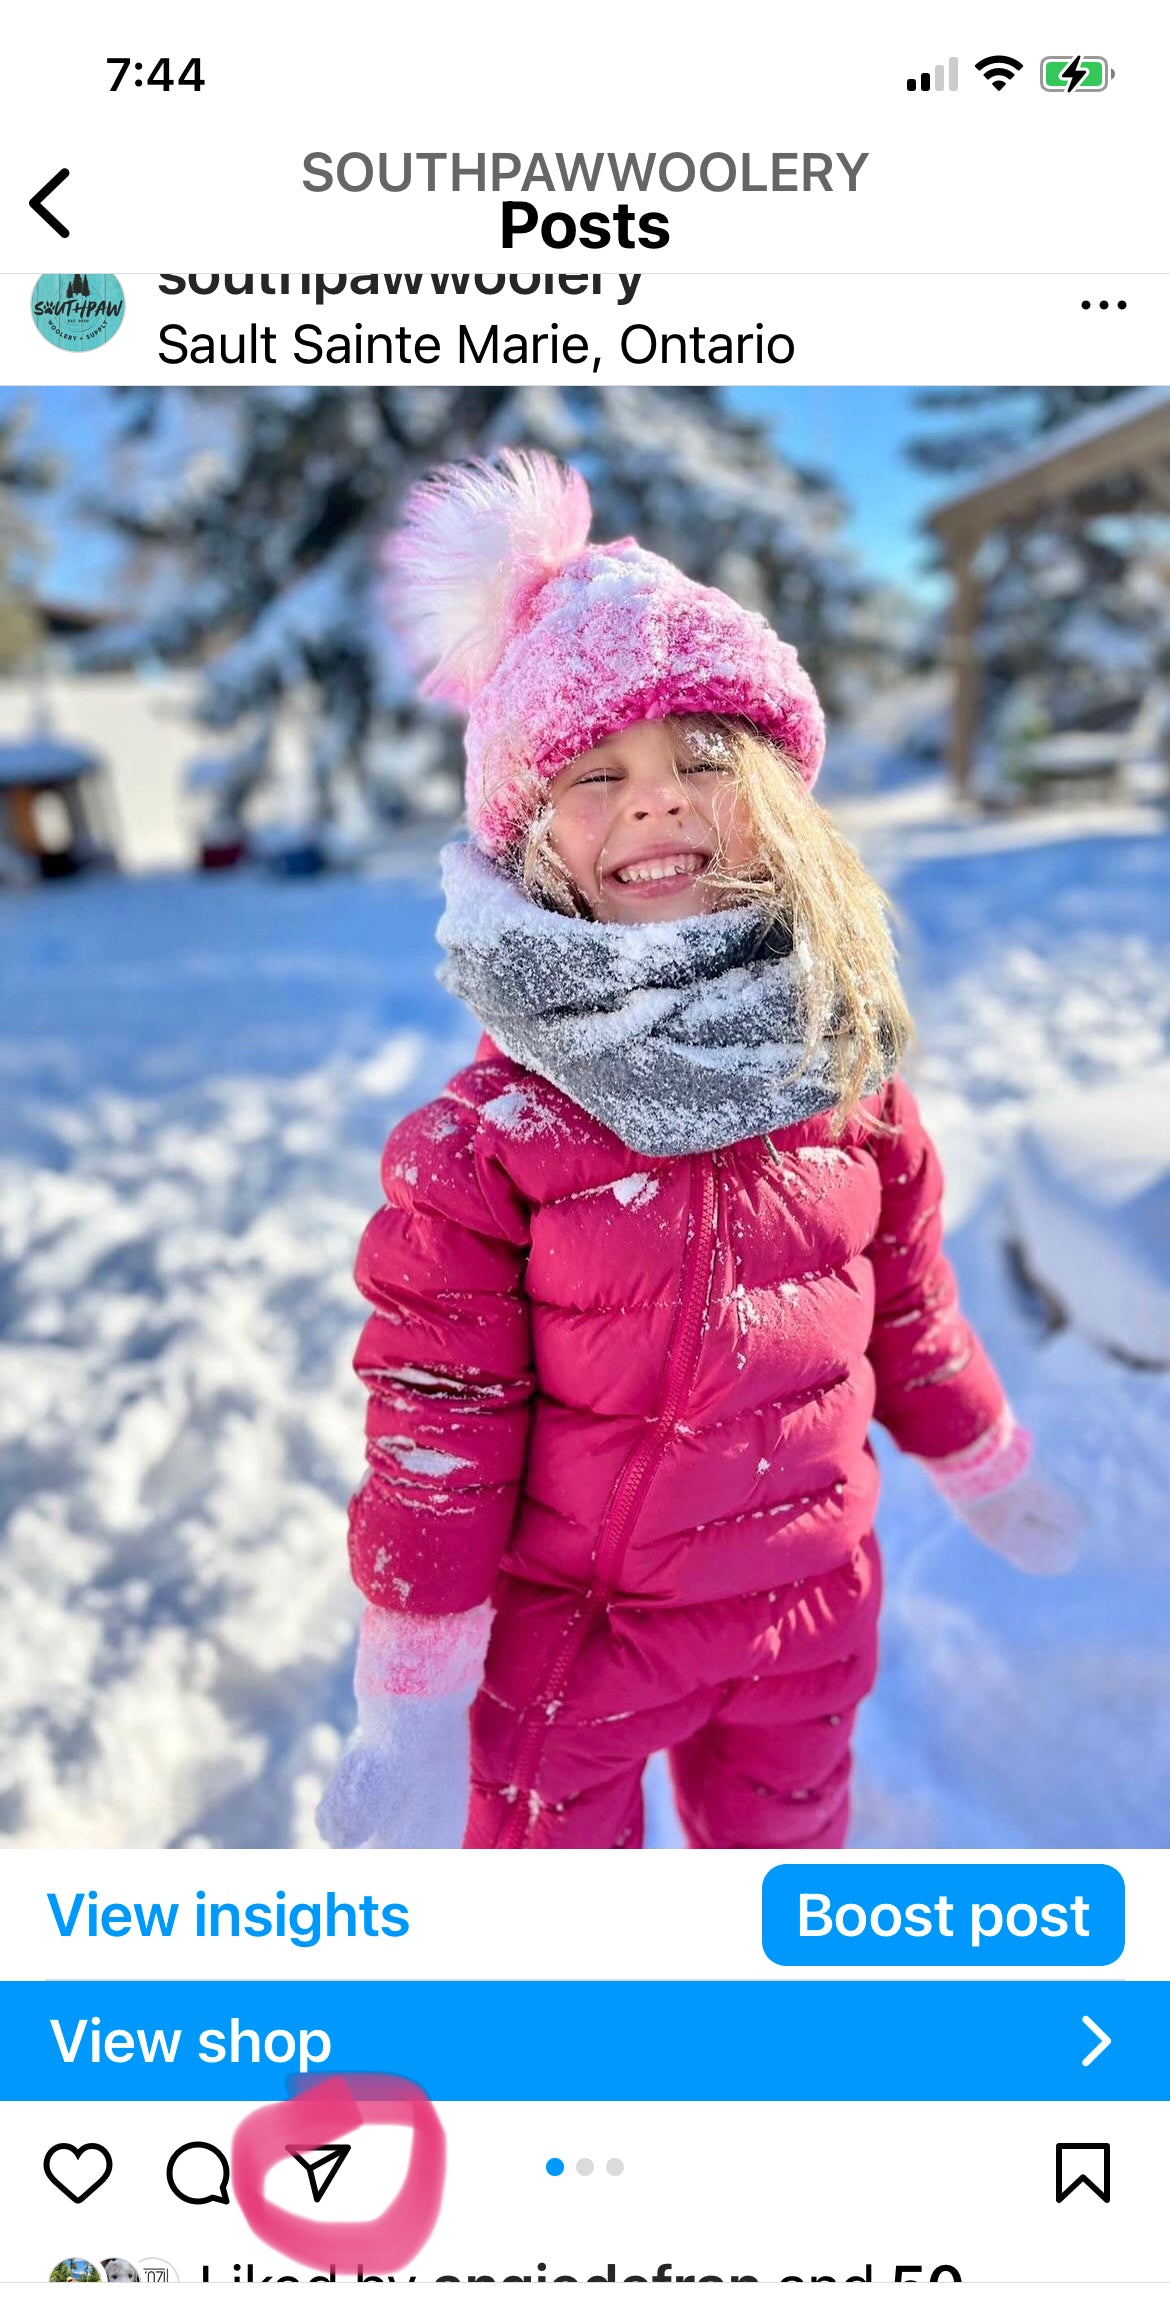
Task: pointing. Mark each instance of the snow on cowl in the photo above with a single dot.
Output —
(679, 1037)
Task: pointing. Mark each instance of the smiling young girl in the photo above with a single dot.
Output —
(655, 1260)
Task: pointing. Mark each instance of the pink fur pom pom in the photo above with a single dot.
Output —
(477, 543)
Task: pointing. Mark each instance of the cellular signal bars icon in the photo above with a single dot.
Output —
(929, 80)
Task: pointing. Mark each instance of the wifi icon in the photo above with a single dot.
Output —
(999, 69)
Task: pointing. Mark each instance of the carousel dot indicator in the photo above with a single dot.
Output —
(584, 2167)
(615, 2168)
(554, 2166)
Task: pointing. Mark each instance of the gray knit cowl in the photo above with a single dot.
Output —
(679, 1037)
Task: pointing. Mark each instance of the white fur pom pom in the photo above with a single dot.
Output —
(476, 543)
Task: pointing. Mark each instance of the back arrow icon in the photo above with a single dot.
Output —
(1102, 2042)
(37, 204)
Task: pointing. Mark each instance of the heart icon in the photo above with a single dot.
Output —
(104, 2167)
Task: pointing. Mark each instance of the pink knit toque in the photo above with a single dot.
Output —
(550, 643)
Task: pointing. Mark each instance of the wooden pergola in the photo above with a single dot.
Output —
(1115, 459)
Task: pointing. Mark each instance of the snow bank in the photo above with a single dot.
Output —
(1010, 1712)
(196, 1078)
(1089, 1195)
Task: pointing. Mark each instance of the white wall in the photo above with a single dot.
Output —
(142, 729)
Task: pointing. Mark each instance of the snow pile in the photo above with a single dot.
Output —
(196, 1084)
(426, 1461)
(1011, 1711)
(1090, 1199)
(634, 1189)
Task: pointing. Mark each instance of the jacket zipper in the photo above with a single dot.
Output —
(625, 1501)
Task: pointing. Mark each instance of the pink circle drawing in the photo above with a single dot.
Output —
(320, 2114)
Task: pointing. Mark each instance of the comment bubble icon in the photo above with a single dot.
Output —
(198, 2172)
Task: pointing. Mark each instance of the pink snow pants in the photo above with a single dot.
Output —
(758, 1759)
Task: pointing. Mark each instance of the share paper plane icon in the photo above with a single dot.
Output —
(320, 2165)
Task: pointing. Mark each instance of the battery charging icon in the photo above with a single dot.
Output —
(1075, 75)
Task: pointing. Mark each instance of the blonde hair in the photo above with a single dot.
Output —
(805, 879)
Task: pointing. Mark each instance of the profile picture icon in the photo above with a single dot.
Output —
(78, 312)
(75, 2271)
(120, 2271)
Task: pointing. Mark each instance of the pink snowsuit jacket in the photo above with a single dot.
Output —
(629, 1399)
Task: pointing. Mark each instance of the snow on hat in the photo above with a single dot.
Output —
(550, 643)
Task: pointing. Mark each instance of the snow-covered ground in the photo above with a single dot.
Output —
(196, 1077)
(1011, 1711)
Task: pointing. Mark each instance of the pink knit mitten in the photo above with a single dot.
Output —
(1012, 1508)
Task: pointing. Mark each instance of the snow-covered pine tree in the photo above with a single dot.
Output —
(977, 426)
(253, 521)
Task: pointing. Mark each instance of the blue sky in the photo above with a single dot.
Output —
(856, 433)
